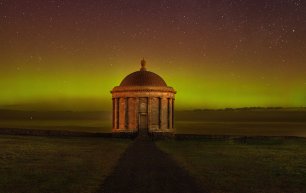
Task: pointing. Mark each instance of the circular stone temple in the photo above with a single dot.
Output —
(143, 104)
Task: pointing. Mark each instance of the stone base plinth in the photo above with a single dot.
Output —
(162, 135)
(131, 135)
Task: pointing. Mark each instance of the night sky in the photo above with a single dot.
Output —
(68, 55)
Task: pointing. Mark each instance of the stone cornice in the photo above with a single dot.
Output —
(142, 89)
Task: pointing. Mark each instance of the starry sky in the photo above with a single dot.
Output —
(68, 55)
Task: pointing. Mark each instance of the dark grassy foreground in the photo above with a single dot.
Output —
(43, 165)
(271, 165)
(71, 164)
(144, 168)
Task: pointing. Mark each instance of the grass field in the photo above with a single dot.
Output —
(273, 165)
(43, 165)
(54, 164)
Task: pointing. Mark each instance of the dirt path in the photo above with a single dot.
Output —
(144, 168)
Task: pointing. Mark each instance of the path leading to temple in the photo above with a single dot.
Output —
(143, 168)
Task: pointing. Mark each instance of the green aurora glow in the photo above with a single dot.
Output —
(55, 59)
(89, 90)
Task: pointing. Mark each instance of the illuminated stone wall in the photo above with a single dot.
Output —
(153, 104)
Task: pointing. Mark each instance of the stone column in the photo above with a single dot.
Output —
(132, 113)
(136, 114)
(164, 120)
(170, 113)
(126, 113)
(121, 113)
(115, 113)
(149, 115)
(113, 103)
(160, 113)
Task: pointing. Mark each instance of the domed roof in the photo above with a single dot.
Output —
(143, 78)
